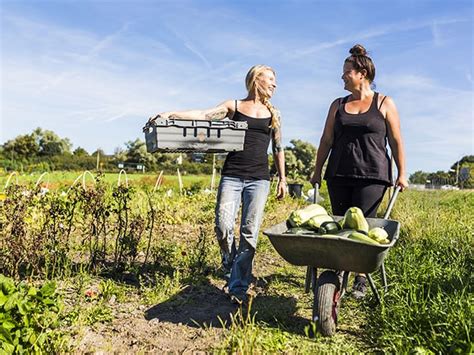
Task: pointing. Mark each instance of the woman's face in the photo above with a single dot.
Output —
(352, 78)
(266, 82)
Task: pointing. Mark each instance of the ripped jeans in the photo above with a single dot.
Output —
(237, 263)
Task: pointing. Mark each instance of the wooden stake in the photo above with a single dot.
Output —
(180, 181)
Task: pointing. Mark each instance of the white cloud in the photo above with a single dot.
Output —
(386, 29)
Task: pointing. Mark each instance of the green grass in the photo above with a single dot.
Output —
(430, 271)
(428, 307)
(64, 179)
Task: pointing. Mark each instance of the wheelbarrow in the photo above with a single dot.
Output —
(339, 256)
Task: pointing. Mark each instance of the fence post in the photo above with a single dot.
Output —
(180, 181)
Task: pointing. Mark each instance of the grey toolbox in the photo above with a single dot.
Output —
(180, 135)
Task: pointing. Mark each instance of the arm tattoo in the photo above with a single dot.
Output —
(217, 113)
(276, 141)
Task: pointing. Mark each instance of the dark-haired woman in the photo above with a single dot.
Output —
(245, 177)
(356, 132)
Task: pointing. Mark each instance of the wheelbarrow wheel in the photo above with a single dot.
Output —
(326, 303)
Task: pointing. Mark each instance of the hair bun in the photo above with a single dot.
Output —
(357, 50)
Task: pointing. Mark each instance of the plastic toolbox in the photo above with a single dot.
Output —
(180, 135)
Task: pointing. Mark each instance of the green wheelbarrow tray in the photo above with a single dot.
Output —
(337, 253)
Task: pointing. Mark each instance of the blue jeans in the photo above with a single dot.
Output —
(253, 195)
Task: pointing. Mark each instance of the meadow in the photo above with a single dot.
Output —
(119, 265)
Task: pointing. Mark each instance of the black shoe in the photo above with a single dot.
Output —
(359, 288)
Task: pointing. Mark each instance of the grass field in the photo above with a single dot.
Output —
(128, 270)
(57, 180)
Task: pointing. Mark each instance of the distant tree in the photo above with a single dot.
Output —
(299, 159)
(120, 155)
(80, 152)
(464, 170)
(440, 178)
(22, 147)
(293, 167)
(50, 144)
(137, 153)
(100, 152)
(464, 160)
(418, 177)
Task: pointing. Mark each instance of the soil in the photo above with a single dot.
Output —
(193, 320)
(189, 322)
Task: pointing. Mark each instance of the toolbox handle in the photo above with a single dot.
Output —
(198, 123)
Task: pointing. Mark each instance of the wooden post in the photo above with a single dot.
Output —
(158, 181)
(180, 181)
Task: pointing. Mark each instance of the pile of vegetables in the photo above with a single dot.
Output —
(313, 220)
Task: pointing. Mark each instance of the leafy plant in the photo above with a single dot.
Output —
(29, 317)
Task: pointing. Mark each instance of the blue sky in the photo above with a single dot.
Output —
(94, 71)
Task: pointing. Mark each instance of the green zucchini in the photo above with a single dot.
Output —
(360, 237)
(330, 227)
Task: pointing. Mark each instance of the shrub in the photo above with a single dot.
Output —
(28, 317)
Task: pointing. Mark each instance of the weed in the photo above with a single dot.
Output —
(30, 317)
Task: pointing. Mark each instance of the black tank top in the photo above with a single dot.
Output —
(252, 162)
(359, 148)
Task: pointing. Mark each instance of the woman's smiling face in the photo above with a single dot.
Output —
(266, 82)
(351, 77)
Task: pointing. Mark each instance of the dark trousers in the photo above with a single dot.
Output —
(363, 193)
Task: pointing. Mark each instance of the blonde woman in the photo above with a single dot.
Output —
(245, 176)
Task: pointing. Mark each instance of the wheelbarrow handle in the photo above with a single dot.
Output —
(316, 192)
(391, 202)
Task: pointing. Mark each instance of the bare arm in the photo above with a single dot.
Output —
(325, 143)
(279, 158)
(219, 112)
(395, 141)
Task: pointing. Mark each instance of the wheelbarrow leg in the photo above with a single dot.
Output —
(345, 281)
(372, 286)
(314, 277)
(310, 280)
(307, 281)
(384, 277)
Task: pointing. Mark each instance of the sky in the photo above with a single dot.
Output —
(94, 71)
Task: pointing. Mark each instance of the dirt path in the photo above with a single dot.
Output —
(189, 321)
(193, 319)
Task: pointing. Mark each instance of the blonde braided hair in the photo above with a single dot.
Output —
(251, 84)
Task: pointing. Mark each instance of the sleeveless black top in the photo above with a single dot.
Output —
(252, 162)
(359, 148)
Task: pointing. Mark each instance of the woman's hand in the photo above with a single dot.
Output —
(315, 179)
(281, 188)
(160, 115)
(402, 182)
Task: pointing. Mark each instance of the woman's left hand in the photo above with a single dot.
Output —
(402, 182)
(281, 189)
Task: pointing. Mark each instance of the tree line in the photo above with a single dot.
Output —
(44, 150)
(459, 174)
